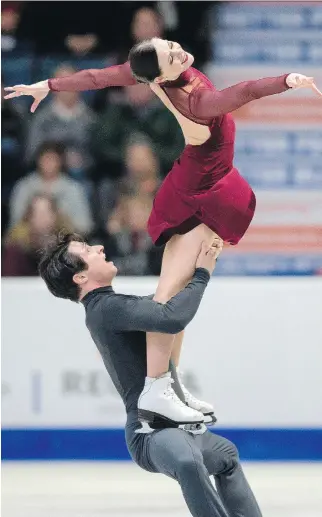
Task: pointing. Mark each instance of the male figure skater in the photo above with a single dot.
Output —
(118, 326)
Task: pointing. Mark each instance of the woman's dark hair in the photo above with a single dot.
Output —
(144, 62)
(57, 266)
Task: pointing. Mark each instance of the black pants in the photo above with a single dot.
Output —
(191, 460)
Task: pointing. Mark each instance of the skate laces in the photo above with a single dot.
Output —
(170, 393)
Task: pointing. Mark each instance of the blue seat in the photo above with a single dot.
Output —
(17, 69)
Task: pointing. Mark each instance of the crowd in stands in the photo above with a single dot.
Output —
(86, 162)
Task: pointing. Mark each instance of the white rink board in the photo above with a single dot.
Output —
(254, 349)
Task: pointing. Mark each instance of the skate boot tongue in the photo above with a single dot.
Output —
(194, 403)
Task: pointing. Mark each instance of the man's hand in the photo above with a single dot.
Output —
(208, 255)
(302, 81)
(37, 90)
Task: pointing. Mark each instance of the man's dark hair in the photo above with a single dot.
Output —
(144, 62)
(57, 266)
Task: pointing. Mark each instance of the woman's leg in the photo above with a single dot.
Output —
(178, 266)
(157, 400)
(179, 387)
(177, 347)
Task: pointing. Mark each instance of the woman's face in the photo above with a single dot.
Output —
(173, 60)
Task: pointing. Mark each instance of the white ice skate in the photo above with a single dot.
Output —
(199, 405)
(159, 407)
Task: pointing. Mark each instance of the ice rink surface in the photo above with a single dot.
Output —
(123, 489)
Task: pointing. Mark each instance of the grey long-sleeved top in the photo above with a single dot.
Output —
(118, 323)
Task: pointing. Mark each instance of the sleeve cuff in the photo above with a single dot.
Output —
(51, 85)
(285, 82)
(202, 274)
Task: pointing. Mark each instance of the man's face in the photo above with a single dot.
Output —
(173, 60)
(99, 271)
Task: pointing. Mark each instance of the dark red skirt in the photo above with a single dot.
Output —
(195, 192)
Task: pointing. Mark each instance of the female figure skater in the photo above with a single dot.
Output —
(202, 198)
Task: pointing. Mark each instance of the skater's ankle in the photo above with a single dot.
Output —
(162, 375)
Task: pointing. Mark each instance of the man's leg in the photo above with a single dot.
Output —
(221, 460)
(173, 452)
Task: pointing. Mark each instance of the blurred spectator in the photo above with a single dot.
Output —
(125, 206)
(185, 22)
(81, 45)
(129, 245)
(142, 112)
(67, 119)
(11, 141)
(10, 39)
(11, 152)
(140, 176)
(50, 23)
(50, 178)
(23, 242)
(147, 23)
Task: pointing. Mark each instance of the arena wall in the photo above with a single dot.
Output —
(254, 350)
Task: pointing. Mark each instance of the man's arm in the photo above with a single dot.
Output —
(130, 313)
(94, 79)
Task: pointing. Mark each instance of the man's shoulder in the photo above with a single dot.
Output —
(107, 310)
(102, 301)
(100, 308)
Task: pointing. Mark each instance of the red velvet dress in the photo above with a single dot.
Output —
(203, 185)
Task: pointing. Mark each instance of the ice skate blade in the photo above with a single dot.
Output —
(145, 429)
(194, 428)
(210, 419)
(157, 421)
(189, 428)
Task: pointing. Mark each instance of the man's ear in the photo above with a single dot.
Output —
(80, 278)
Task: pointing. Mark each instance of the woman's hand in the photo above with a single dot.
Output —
(37, 90)
(302, 81)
